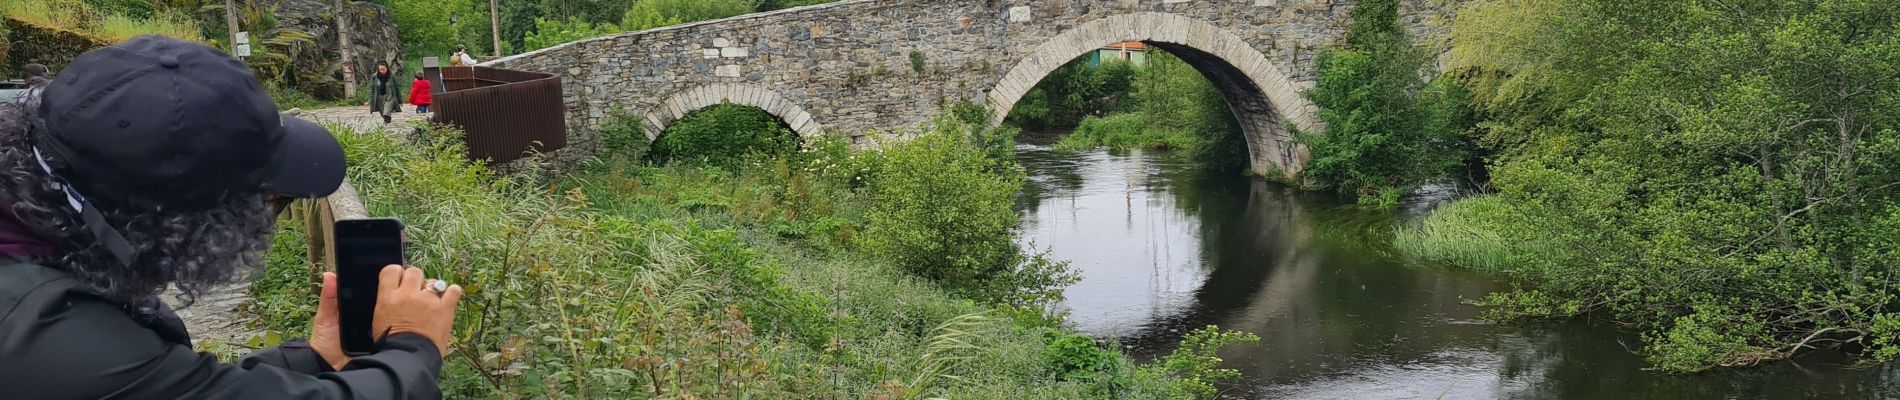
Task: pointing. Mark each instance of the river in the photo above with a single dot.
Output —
(1164, 248)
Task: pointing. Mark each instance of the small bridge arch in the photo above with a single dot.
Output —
(712, 94)
(1261, 97)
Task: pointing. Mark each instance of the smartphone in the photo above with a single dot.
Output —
(363, 248)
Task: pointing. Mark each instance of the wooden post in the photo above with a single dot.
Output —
(343, 45)
(230, 22)
(494, 27)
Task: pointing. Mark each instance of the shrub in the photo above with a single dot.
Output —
(1072, 356)
(1384, 135)
(1715, 197)
(1122, 132)
(623, 138)
(941, 207)
(1193, 369)
(724, 135)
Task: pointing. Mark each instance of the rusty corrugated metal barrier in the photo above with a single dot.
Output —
(505, 114)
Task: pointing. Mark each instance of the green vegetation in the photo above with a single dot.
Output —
(724, 135)
(941, 207)
(649, 14)
(1719, 175)
(680, 281)
(1468, 233)
(1121, 132)
(550, 33)
(1387, 133)
(1166, 104)
(528, 25)
(110, 24)
(769, 5)
(1072, 92)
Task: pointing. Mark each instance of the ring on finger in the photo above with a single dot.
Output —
(438, 286)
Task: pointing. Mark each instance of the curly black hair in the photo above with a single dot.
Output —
(196, 251)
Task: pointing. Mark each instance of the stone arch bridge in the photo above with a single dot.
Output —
(866, 67)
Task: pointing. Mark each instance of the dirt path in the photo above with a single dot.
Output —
(360, 119)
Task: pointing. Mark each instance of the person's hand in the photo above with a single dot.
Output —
(326, 332)
(404, 304)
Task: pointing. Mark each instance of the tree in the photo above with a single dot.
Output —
(1722, 174)
(1385, 134)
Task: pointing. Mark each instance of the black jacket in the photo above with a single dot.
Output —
(60, 339)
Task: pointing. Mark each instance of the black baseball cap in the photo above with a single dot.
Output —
(155, 122)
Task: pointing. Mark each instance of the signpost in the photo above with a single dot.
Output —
(243, 45)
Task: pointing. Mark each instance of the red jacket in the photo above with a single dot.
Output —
(419, 92)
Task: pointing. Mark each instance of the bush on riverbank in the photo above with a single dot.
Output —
(941, 206)
(1719, 176)
(1387, 132)
(1122, 132)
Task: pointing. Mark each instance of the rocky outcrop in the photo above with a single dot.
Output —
(34, 44)
(317, 69)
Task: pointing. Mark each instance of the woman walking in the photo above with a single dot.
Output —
(386, 97)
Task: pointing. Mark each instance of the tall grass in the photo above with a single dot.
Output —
(47, 12)
(113, 27)
(1483, 233)
(78, 16)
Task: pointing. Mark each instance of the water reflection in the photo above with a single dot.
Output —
(1165, 248)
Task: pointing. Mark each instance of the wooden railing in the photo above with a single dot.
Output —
(319, 217)
(504, 114)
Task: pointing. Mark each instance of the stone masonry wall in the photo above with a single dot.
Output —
(846, 68)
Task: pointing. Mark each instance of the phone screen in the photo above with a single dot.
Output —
(363, 248)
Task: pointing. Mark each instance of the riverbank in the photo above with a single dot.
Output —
(626, 281)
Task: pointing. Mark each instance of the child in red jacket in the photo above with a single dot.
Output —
(419, 94)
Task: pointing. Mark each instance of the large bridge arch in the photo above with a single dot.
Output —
(708, 95)
(1261, 97)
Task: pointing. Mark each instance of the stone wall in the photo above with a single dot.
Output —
(52, 47)
(846, 67)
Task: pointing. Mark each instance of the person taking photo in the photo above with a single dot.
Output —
(157, 162)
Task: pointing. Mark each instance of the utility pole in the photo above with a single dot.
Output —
(494, 26)
(343, 46)
(230, 22)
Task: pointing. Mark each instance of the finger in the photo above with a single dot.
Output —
(412, 278)
(326, 300)
(452, 296)
(390, 278)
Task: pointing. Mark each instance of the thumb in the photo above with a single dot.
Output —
(326, 302)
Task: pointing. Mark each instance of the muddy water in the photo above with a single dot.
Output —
(1165, 248)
